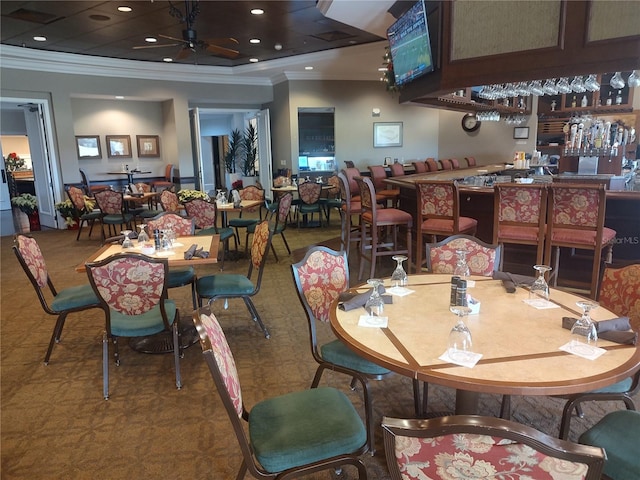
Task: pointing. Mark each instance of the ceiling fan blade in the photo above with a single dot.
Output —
(140, 47)
(184, 53)
(222, 40)
(222, 51)
(181, 40)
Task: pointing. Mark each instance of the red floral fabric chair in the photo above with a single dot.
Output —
(482, 258)
(205, 215)
(228, 286)
(469, 446)
(439, 213)
(132, 289)
(575, 219)
(520, 213)
(85, 216)
(314, 430)
(169, 201)
(309, 195)
(181, 226)
(61, 303)
(111, 204)
(248, 193)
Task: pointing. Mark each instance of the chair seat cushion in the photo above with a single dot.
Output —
(513, 232)
(619, 387)
(304, 427)
(618, 433)
(224, 233)
(178, 277)
(338, 353)
(142, 325)
(117, 219)
(465, 224)
(390, 216)
(388, 193)
(242, 222)
(582, 237)
(74, 297)
(356, 208)
(91, 216)
(306, 208)
(223, 285)
(147, 213)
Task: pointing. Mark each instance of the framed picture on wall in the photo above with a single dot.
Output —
(521, 133)
(118, 146)
(148, 145)
(88, 146)
(387, 134)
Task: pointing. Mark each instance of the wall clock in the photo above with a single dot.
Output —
(470, 122)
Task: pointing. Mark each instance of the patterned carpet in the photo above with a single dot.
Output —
(56, 425)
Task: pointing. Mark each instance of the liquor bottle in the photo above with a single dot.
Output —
(584, 102)
(619, 97)
(609, 99)
(574, 103)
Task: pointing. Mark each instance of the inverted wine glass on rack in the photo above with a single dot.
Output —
(375, 303)
(126, 242)
(142, 236)
(540, 288)
(462, 268)
(460, 336)
(399, 277)
(584, 334)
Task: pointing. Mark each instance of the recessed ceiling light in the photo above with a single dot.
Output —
(167, 59)
(151, 39)
(124, 8)
(308, 68)
(253, 60)
(119, 97)
(40, 39)
(382, 69)
(257, 11)
(254, 40)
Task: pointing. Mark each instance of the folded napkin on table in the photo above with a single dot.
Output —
(511, 280)
(615, 330)
(349, 301)
(194, 251)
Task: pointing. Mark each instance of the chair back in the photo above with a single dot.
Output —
(260, 244)
(110, 202)
(454, 163)
(32, 262)
(204, 213)
(334, 191)
(465, 446)
(284, 205)
(576, 213)
(619, 289)
(438, 199)
(252, 192)
(471, 161)
(309, 192)
(432, 165)
(181, 226)
(397, 169)
(349, 164)
(168, 172)
(419, 167)
(169, 201)
(378, 176)
(351, 174)
(368, 203)
(446, 164)
(76, 195)
(482, 258)
(143, 187)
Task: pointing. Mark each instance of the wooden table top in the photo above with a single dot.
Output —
(408, 181)
(211, 243)
(519, 343)
(229, 207)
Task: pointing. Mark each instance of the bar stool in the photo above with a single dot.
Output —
(374, 218)
(432, 165)
(454, 163)
(438, 213)
(575, 219)
(519, 215)
(157, 185)
(350, 208)
(397, 169)
(378, 176)
(446, 164)
(471, 161)
(419, 167)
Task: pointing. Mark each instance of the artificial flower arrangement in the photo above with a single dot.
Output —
(13, 162)
(187, 195)
(26, 202)
(67, 211)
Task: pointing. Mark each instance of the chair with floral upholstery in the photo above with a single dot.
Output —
(111, 205)
(286, 436)
(432, 165)
(85, 215)
(205, 215)
(483, 259)
(140, 210)
(519, 215)
(53, 302)
(250, 192)
(277, 224)
(309, 195)
(575, 219)
(138, 307)
(182, 227)
(169, 201)
(241, 286)
(330, 197)
(378, 176)
(439, 213)
(470, 446)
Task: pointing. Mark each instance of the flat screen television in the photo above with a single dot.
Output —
(409, 45)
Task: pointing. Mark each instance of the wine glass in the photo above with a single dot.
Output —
(459, 336)
(617, 81)
(461, 269)
(583, 333)
(633, 80)
(375, 303)
(142, 236)
(540, 289)
(126, 243)
(399, 277)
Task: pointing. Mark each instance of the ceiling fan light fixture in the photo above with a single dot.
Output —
(167, 59)
(254, 40)
(257, 11)
(151, 39)
(124, 8)
(254, 60)
(40, 38)
(308, 68)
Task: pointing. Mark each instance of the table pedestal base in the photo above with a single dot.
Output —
(163, 342)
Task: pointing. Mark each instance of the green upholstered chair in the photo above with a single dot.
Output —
(54, 302)
(290, 435)
(619, 434)
(77, 197)
(231, 285)
(138, 307)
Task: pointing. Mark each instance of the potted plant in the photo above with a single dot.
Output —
(13, 162)
(28, 204)
(67, 210)
(186, 195)
(250, 154)
(231, 156)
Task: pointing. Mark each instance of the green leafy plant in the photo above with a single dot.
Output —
(234, 150)
(187, 195)
(67, 211)
(249, 150)
(26, 202)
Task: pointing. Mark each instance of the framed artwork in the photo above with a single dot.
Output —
(88, 146)
(387, 134)
(521, 132)
(119, 146)
(148, 145)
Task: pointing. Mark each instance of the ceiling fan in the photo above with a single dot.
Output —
(189, 42)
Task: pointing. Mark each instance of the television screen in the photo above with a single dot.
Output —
(409, 45)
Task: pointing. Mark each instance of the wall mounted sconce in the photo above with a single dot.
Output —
(375, 112)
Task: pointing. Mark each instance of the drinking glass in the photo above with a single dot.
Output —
(540, 288)
(563, 85)
(142, 236)
(375, 303)
(459, 336)
(577, 85)
(126, 243)
(633, 80)
(461, 269)
(617, 81)
(399, 277)
(583, 333)
(549, 87)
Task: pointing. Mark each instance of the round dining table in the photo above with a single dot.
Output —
(519, 344)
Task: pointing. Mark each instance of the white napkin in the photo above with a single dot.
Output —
(378, 322)
(583, 350)
(466, 359)
(540, 303)
(399, 291)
